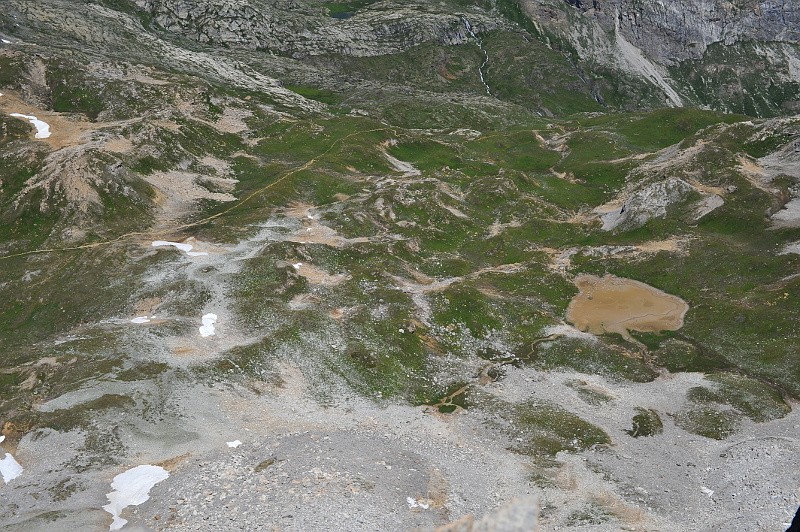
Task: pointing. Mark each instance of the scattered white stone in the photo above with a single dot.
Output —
(406, 168)
(707, 491)
(413, 503)
(706, 206)
(132, 488)
(233, 444)
(42, 128)
(569, 331)
(141, 319)
(208, 325)
(9, 467)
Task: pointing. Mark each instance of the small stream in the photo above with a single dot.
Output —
(468, 26)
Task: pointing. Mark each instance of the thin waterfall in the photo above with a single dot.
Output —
(468, 26)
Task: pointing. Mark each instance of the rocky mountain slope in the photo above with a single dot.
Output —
(735, 56)
(392, 265)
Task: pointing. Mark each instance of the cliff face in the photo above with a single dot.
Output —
(738, 55)
(289, 28)
(677, 30)
(733, 55)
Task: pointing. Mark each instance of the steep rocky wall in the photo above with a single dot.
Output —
(683, 29)
(738, 56)
(302, 30)
(676, 30)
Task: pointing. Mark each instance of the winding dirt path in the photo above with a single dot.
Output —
(172, 230)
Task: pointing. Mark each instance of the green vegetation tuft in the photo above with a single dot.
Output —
(646, 422)
(545, 429)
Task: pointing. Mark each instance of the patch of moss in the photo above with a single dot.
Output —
(590, 514)
(544, 429)
(588, 393)
(754, 399)
(708, 421)
(646, 422)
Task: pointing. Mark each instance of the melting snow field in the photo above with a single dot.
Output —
(9, 468)
(414, 503)
(208, 325)
(42, 128)
(141, 319)
(794, 247)
(187, 248)
(234, 444)
(132, 488)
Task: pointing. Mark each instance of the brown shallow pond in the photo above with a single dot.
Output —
(612, 304)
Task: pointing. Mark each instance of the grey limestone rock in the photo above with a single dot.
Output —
(291, 30)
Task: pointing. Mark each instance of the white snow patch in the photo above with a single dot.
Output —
(182, 247)
(5, 42)
(639, 63)
(9, 468)
(569, 331)
(789, 215)
(414, 503)
(297, 265)
(187, 248)
(132, 488)
(208, 325)
(707, 491)
(140, 319)
(233, 444)
(794, 247)
(42, 128)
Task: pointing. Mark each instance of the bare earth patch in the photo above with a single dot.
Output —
(313, 232)
(318, 276)
(66, 129)
(612, 304)
(178, 192)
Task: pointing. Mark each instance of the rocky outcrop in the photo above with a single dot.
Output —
(644, 205)
(676, 30)
(662, 53)
(737, 56)
(291, 30)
